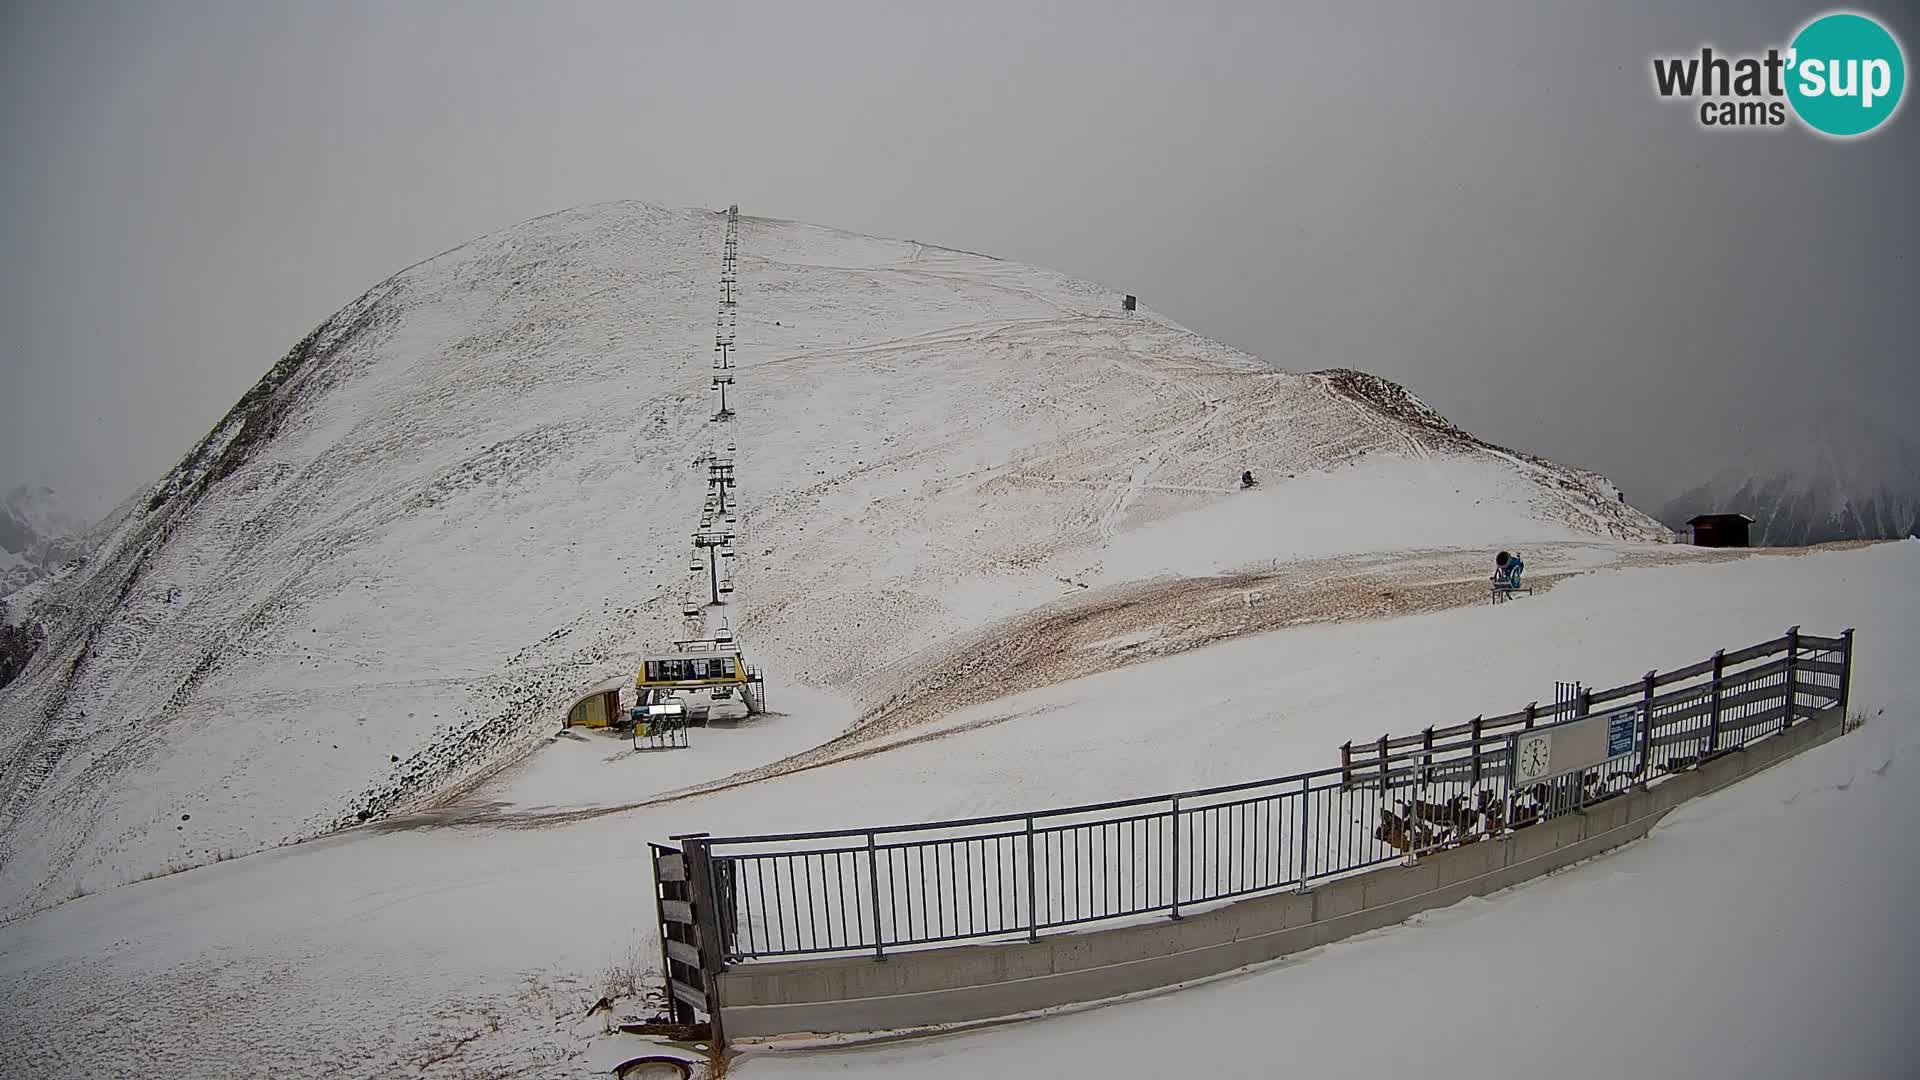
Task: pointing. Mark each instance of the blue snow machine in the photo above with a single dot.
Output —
(1506, 577)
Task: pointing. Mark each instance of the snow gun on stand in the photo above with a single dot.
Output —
(1507, 568)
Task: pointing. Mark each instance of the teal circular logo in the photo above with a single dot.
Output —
(1845, 74)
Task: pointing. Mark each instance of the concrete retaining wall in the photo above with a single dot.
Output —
(989, 980)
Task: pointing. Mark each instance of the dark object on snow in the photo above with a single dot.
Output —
(1720, 530)
(1246, 479)
(1127, 304)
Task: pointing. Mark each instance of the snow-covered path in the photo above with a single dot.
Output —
(448, 952)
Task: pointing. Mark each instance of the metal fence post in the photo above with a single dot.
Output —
(1383, 766)
(1713, 719)
(1582, 706)
(1846, 672)
(1513, 778)
(1346, 765)
(1033, 909)
(1176, 856)
(1646, 728)
(873, 882)
(1476, 749)
(1306, 792)
(1532, 707)
(1793, 674)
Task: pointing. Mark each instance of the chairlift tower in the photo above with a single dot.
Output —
(712, 541)
(719, 479)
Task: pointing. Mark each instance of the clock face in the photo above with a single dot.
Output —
(1533, 756)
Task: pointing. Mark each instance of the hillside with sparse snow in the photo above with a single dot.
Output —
(465, 498)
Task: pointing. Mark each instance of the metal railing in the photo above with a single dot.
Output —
(1011, 875)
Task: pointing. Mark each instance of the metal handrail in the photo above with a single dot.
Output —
(1181, 849)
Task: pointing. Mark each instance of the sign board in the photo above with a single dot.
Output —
(1544, 753)
(1621, 728)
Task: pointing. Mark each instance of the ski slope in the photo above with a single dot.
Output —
(464, 499)
(1767, 921)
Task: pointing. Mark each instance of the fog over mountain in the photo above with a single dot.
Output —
(38, 536)
(1815, 480)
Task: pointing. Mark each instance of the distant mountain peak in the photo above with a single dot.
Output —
(1814, 479)
(38, 536)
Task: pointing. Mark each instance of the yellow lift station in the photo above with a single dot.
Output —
(709, 678)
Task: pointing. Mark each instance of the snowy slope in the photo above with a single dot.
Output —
(465, 498)
(1815, 481)
(1771, 912)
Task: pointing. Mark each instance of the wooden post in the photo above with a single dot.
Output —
(680, 1011)
(1346, 765)
(706, 921)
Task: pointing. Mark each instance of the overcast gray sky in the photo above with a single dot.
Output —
(1484, 201)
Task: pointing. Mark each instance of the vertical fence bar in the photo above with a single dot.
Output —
(1175, 877)
(873, 883)
(1713, 717)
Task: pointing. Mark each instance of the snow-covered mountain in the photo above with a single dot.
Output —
(1815, 481)
(38, 536)
(465, 498)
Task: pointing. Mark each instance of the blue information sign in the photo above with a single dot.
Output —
(1620, 732)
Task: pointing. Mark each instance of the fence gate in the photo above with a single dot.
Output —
(691, 952)
(659, 732)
